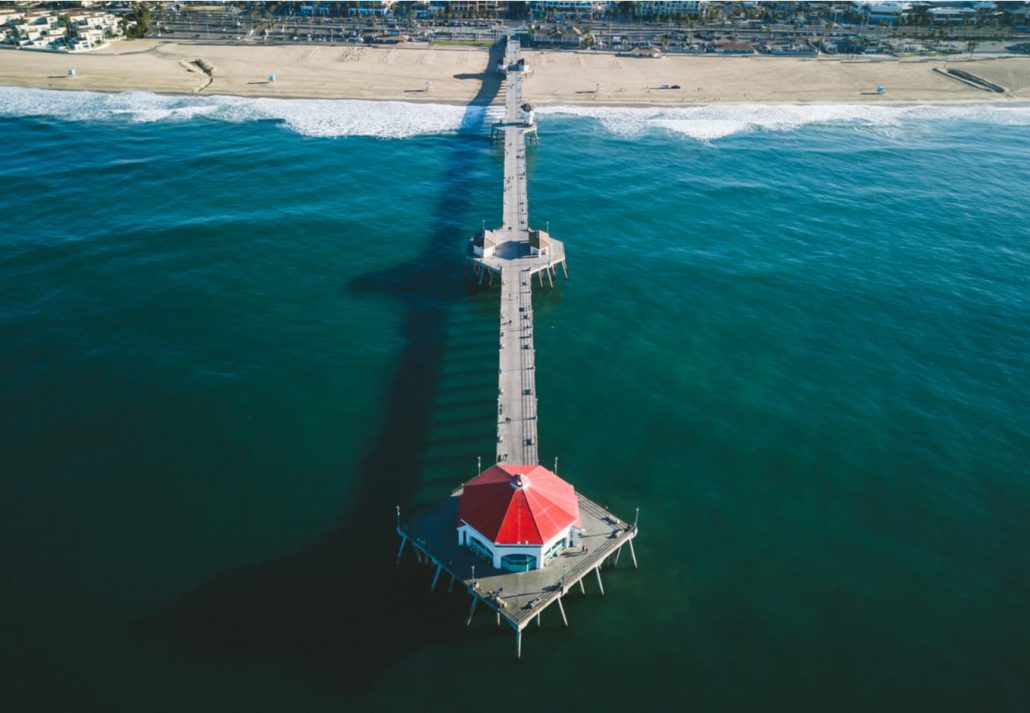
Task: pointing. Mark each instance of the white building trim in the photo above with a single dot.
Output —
(498, 551)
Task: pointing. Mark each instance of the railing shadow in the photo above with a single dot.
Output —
(340, 613)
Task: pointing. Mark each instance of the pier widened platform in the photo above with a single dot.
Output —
(516, 254)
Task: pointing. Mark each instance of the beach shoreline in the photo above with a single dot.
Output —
(452, 76)
(896, 104)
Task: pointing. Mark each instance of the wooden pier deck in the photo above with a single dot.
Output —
(514, 261)
(516, 391)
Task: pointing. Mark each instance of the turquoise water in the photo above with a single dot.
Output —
(234, 334)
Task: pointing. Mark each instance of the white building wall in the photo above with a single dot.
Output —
(499, 551)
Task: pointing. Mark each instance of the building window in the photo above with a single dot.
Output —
(555, 549)
(518, 563)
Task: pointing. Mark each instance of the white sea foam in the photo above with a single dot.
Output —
(707, 123)
(310, 117)
(394, 119)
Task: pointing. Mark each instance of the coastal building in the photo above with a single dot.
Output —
(10, 15)
(47, 31)
(952, 15)
(566, 10)
(520, 517)
(94, 29)
(33, 30)
(887, 12)
(668, 9)
(314, 11)
(462, 8)
(367, 8)
(473, 8)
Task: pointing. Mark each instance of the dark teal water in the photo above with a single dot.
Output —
(233, 335)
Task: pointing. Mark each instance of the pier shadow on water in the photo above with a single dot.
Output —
(340, 613)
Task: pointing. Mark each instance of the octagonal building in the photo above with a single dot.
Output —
(518, 516)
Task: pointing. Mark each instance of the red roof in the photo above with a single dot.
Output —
(518, 504)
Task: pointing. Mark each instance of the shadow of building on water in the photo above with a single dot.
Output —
(340, 612)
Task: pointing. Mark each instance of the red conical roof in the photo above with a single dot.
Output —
(518, 504)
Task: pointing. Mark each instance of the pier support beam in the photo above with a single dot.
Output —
(518, 644)
(633, 554)
(436, 577)
(562, 610)
(472, 610)
(498, 618)
(538, 619)
(565, 269)
(400, 550)
(615, 562)
(582, 589)
(450, 587)
(597, 571)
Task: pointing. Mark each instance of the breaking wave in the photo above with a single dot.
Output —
(308, 117)
(397, 119)
(707, 123)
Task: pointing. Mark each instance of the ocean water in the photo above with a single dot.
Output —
(234, 334)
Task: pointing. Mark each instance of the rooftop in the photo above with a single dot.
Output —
(518, 504)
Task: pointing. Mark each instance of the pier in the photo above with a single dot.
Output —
(516, 254)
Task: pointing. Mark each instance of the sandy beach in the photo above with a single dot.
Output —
(452, 75)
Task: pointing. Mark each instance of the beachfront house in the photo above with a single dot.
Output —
(519, 517)
(47, 31)
(34, 30)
